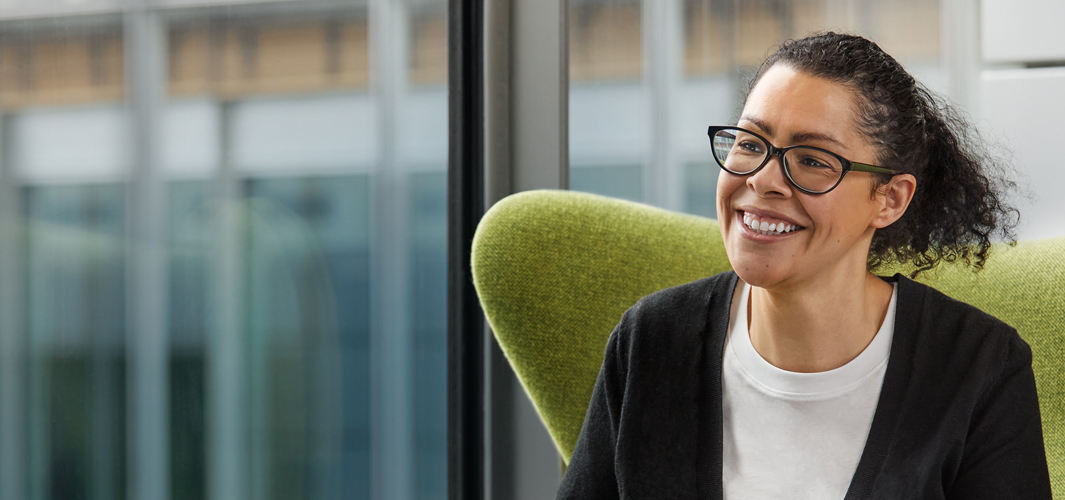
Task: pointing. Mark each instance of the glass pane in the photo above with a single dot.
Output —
(701, 188)
(429, 282)
(607, 103)
(188, 279)
(604, 40)
(227, 279)
(308, 287)
(75, 325)
(623, 182)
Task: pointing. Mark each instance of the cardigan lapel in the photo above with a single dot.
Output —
(709, 437)
(896, 380)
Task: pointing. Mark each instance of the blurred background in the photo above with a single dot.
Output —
(223, 223)
(647, 78)
(202, 203)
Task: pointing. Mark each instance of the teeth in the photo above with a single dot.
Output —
(763, 227)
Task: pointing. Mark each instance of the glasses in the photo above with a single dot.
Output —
(811, 170)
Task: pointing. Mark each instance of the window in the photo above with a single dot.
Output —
(270, 323)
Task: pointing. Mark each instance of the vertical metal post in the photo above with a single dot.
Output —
(497, 95)
(662, 32)
(227, 432)
(391, 337)
(865, 10)
(517, 113)
(146, 341)
(960, 35)
(499, 384)
(540, 94)
(13, 352)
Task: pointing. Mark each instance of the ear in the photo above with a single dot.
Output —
(894, 197)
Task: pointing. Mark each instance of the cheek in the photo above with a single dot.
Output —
(844, 218)
(726, 186)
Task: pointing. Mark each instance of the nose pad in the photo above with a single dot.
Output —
(770, 178)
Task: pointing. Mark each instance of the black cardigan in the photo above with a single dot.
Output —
(958, 415)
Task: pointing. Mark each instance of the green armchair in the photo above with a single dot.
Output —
(555, 270)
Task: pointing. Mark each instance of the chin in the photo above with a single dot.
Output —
(756, 271)
(761, 278)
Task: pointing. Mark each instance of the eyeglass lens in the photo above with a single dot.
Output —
(741, 153)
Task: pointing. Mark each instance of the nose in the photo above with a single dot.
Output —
(770, 180)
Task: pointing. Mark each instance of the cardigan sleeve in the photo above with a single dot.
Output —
(591, 473)
(1003, 454)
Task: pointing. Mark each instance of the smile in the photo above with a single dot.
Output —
(768, 226)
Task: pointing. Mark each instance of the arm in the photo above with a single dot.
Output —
(1004, 455)
(590, 474)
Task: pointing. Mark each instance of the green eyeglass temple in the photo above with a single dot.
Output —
(865, 167)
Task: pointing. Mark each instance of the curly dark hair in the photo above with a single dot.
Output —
(959, 206)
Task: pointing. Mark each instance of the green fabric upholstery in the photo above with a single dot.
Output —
(555, 270)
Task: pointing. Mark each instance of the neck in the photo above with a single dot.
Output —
(820, 325)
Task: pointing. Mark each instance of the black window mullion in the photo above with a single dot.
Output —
(466, 422)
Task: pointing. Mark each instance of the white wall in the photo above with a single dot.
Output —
(1022, 30)
(1023, 105)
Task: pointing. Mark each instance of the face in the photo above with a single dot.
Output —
(827, 235)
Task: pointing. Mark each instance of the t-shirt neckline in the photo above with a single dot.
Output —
(806, 386)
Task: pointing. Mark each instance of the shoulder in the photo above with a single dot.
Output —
(950, 317)
(961, 396)
(682, 308)
(678, 318)
(666, 304)
(957, 335)
(657, 354)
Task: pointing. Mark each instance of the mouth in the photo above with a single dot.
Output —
(768, 226)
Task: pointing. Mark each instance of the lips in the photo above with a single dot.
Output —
(769, 226)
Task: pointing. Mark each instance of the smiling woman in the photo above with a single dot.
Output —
(811, 377)
(829, 250)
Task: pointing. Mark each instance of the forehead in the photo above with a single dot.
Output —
(787, 103)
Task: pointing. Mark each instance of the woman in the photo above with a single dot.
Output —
(801, 374)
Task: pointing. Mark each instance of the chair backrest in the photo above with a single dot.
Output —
(555, 270)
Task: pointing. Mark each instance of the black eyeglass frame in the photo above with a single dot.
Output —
(779, 153)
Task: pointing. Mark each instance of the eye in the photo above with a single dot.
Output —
(751, 147)
(809, 161)
(814, 162)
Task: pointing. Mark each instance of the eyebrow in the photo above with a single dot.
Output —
(798, 137)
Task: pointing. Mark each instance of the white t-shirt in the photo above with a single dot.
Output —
(790, 435)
